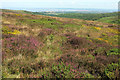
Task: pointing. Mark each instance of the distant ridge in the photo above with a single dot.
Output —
(65, 10)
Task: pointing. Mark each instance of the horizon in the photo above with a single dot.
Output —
(89, 4)
(94, 10)
(54, 8)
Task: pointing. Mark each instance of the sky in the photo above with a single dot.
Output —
(97, 4)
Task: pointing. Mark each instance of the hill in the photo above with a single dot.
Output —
(113, 17)
(102, 17)
(38, 46)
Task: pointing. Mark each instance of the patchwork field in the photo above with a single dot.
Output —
(38, 46)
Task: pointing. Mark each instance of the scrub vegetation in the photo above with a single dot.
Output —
(38, 46)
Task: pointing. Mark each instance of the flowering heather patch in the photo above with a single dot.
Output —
(48, 31)
(65, 70)
(17, 66)
(7, 36)
(44, 32)
(13, 46)
(78, 42)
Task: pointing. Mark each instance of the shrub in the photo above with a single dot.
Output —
(100, 51)
(89, 63)
(113, 51)
(48, 31)
(45, 32)
(112, 70)
(61, 71)
(26, 46)
(7, 36)
(87, 75)
(15, 32)
(78, 42)
(17, 66)
(5, 30)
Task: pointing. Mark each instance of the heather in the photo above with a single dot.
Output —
(37, 46)
(16, 45)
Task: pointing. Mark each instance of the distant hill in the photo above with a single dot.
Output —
(88, 16)
(113, 19)
(102, 17)
(15, 11)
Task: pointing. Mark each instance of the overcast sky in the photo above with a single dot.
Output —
(98, 4)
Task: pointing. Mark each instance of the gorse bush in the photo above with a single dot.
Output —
(14, 32)
(26, 46)
(7, 30)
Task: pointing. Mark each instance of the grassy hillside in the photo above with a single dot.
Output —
(102, 17)
(88, 16)
(37, 46)
(113, 20)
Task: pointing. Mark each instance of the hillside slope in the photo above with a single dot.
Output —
(37, 46)
(102, 17)
(113, 20)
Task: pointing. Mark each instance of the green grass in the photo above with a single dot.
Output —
(113, 20)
